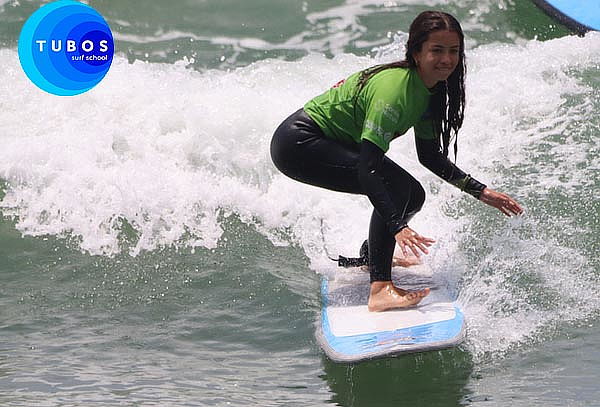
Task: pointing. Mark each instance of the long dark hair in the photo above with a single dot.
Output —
(448, 101)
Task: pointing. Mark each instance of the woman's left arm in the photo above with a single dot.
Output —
(431, 157)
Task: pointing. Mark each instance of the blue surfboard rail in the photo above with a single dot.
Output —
(580, 16)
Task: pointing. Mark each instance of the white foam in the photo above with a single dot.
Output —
(159, 145)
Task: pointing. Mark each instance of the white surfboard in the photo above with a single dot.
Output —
(348, 332)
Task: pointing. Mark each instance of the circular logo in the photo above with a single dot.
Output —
(66, 48)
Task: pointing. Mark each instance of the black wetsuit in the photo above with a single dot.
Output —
(300, 150)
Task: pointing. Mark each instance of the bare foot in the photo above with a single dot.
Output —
(384, 295)
(407, 261)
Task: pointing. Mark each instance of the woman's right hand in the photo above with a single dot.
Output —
(409, 239)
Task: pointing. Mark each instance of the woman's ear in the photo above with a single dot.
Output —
(415, 57)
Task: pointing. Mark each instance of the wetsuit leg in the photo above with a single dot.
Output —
(301, 151)
(381, 241)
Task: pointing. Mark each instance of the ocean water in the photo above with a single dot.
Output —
(151, 254)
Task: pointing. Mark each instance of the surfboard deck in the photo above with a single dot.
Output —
(579, 15)
(348, 332)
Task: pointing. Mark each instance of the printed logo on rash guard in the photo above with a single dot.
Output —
(378, 130)
(388, 110)
(66, 48)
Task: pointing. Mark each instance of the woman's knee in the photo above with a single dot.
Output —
(406, 190)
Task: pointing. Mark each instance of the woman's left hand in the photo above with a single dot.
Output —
(500, 201)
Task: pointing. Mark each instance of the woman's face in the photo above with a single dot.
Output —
(438, 57)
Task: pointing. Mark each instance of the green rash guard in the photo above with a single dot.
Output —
(391, 102)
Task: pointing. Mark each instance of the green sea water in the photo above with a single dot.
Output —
(150, 253)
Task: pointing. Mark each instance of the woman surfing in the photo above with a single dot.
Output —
(338, 141)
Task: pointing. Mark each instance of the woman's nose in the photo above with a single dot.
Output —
(447, 58)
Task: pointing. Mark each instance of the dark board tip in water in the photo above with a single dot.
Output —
(569, 14)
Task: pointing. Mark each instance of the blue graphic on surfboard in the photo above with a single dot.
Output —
(348, 332)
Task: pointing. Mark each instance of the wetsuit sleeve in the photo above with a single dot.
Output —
(430, 155)
(371, 180)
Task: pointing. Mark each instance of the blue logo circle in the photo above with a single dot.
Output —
(66, 48)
